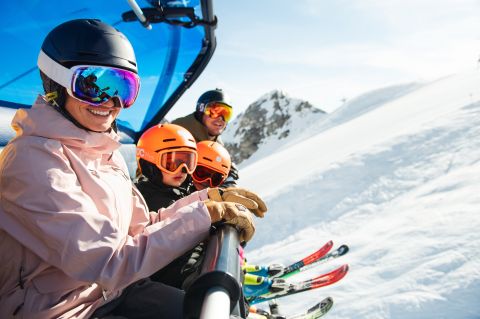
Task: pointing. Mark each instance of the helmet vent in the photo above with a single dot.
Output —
(87, 54)
(169, 139)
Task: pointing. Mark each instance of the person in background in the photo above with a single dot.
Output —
(76, 238)
(208, 121)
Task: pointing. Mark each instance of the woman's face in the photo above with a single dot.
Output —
(174, 180)
(96, 118)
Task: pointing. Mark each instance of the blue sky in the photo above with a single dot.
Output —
(327, 51)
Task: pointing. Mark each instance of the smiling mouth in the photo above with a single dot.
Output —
(99, 112)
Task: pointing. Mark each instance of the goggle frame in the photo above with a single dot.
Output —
(67, 77)
(155, 157)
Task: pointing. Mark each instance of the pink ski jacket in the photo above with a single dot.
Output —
(73, 230)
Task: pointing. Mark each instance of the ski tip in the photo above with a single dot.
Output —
(340, 272)
(343, 249)
(327, 300)
(327, 304)
(321, 308)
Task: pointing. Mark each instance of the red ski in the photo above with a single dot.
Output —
(281, 288)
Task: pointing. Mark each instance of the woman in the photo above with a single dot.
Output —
(76, 238)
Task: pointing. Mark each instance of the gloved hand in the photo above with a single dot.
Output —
(241, 196)
(232, 213)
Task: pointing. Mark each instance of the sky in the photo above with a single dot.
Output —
(399, 184)
(328, 52)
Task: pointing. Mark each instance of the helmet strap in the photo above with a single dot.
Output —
(51, 98)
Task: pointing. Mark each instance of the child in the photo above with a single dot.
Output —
(213, 165)
(166, 156)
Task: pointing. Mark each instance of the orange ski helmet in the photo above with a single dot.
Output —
(213, 163)
(170, 147)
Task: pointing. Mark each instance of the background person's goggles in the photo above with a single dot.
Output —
(203, 174)
(217, 109)
(93, 84)
(170, 161)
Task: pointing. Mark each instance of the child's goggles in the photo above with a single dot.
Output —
(203, 174)
(93, 84)
(170, 161)
(217, 109)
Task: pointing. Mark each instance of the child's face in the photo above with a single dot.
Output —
(174, 180)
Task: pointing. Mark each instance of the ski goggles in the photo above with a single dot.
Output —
(171, 162)
(203, 174)
(216, 109)
(93, 84)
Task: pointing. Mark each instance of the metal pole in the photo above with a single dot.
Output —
(216, 304)
(217, 291)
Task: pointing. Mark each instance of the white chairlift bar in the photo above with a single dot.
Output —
(216, 304)
(139, 13)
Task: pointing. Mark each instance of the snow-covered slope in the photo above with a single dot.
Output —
(358, 106)
(400, 185)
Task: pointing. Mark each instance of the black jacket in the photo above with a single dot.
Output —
(161, 196)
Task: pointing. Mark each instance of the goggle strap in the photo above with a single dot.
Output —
(54, 70)
(151, 157)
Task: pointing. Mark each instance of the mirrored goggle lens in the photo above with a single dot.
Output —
(216, 109)
(172, 161)
(203, 174)
(96, 85)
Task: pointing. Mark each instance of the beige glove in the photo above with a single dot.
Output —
(232, 213)
(241, 196)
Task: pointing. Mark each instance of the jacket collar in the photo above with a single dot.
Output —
(44, 121)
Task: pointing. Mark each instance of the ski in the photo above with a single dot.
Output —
(340, 251)
(306, 261)
(281, 288)
(277, 270)
(317, 311)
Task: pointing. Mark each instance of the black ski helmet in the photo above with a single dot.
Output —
(89, 42)
(216, 95)
(84, 42)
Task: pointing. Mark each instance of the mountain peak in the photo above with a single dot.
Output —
(274, 117)
(276, 94)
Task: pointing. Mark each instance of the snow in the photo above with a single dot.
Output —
(6, 132)
(399, 184)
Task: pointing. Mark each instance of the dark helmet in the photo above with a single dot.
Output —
(216, 95)
(84, 42)
(89, 41)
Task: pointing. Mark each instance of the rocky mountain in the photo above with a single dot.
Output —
(275, 118)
